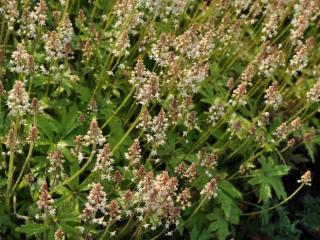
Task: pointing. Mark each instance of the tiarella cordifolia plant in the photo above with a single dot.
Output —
(156, 119)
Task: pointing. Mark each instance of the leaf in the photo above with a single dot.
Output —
(219, 225)
(194, 233)
(69, 217)
(269, 178)
(311, 148)
(32, 228)
(229, 207)
(227, 187)
(84, 92)
(69, 121)
(72, 231)
(5, 220)
(48, 126)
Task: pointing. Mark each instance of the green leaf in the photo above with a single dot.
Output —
(5, 220)
(219, 225)
(71, 231)
(48, 126)
(32, 228)
(194, 233)
(269, 178)
(228, 188)
(229, 207)
(69, 120)
(311, 148)
(69, 217)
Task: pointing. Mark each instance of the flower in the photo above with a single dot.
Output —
(104, 162)
(272, 96)
(45, 201)
(94, 135)
(313, 95)
(21, 60)
(59, 234)
(18, 99)
(306, 178)
(56, 166)
(210, 189)
(96, 201)
(134, 153)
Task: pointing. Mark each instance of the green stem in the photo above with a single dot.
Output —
(128, 131)
(26, 162)
(9, 180)
(93, 13)
(76, 174)
(277, 205)
(119, 108)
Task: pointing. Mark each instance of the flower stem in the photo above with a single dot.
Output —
(26, 162)
(76, 174)
(277, 205)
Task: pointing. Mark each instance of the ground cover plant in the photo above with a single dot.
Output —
(159, 119)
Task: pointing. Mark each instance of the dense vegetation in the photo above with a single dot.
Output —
(159, 119)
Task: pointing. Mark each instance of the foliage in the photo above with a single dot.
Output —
(142, 119)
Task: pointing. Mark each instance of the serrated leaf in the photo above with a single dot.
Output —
(229, 207)
(311, 150)
(194, 233)
(228, 188)
(269, 178)
(219, 225)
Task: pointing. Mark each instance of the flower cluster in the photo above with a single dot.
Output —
(97, 201)
(157, 128)
(304, 12)
(22, 61)
(284, 129)
(134, 153)
(306, 178)
(210, 189)
(58, 42)
(313, 95)
(157, 194)
(272, 96)
(104, 162)
(18, 99)
(146, 84)
(56, 166)
(94, 135)
(45, 201)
